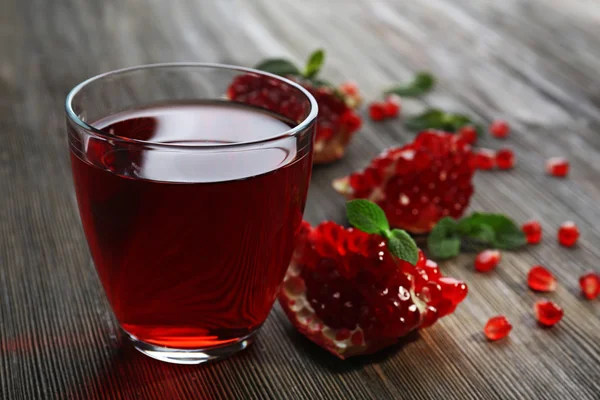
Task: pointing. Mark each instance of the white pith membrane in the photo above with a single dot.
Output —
(307, 318)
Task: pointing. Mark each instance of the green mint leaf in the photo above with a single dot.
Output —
(278, 66)
(507, 235)
(444, 240)
(314, 64)
(403, 246)
(367, 216)
(430, 119)
(422, 83)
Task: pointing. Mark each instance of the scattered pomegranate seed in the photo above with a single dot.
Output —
(377, 111)
(499, 129)
(547, 312)
(487, 260)
(532, 231)
(540, 279)
(485, 159)
(497, 328)
(557, 166)
(590, 285)
(505, 159)
(568, 233)
(468, 133)
(392, 106)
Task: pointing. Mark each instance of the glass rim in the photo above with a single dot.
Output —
(292, 132)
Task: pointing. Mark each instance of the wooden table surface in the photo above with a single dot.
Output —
(533, 62)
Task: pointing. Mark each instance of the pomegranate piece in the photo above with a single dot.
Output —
(347, 293)
(540, 279)
(505, 159)
(417, 184)
(392, 106)
(487, 260)
(557, 166)
(336, 124)
(568, 233)
(497, 328)
(485, 159)
(468, 133)
(590, 285)
(377, 111)
(533, 231)
(547, 312)
(499, 129)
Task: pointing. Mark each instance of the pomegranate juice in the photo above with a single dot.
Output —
(191, 245)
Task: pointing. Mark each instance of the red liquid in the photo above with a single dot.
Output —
(191, 248)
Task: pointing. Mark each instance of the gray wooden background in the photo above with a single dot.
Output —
(532, 62)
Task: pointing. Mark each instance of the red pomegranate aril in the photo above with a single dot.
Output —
(468, 133)
(540, 279)
(432, 269)
(487, 260)
(533, 231)
(557, 166)
(351, 120)
(377, 111)
(497, 328)
(391, 106)
(453, 289)
(499, 129)
(485, 159)
(568, 233)
(349, 88)
(505, 159)
(547, 312)
(590, 285)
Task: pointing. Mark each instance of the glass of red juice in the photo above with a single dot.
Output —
(190, 202)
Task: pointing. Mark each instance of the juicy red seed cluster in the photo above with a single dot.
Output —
(351, 279)
(505, 159)
(547, 312)
(590, 285)
(468, 133)
(485, 159)
(540, 279)
(487, 260)
(499, 129)
(380, 110)
(419, 183)
(335, 117)
(533, 231)
(557, 166)
(497, 328)
(568, 234)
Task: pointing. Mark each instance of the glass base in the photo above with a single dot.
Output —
(190, 356)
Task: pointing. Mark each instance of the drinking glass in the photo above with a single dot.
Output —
(191, 181)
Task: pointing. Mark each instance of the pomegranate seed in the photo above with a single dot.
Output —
(453, 289)
(499, 129)
(568, 233)
(485, 159)
(468, 133)
(547, 312)
(505, 159)
(557, 166)
(532, 231)
(590, 285)
(540, 279)
(351, 120)
(487, 260)
(349, 88)
(391, 106)
(377, 111)
(497, 328)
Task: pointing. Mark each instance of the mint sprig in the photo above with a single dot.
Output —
(283, 67)
(370, 218)
(434, 118)
(421, 84)
(475, 232)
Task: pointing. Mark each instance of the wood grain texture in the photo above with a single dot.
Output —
(533, 62)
